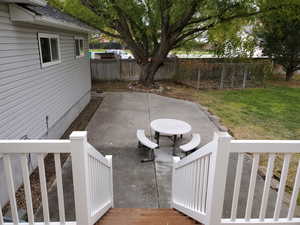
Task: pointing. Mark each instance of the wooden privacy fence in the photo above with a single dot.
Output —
(199, 181)
(126, 70)
(92, 178)
(197, 73)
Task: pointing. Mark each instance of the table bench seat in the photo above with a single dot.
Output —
(144, 140)
(194, 143)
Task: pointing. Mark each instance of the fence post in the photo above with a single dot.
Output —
(109, 158)
(222, 78)
(217, 178)
(198, 79)
(175, 160)
(245, 76)
(80, 177)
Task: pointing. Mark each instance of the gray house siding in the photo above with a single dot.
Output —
(29, 93)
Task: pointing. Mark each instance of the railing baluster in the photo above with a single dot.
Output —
(94, 184)
(97, 182)
(91, 180)
(283, 178)
(191, 184)
(1, 216)
(185, 186)
(201, 184)
(100, 182)
(60, 192)
(252, 183)
(237, 185)
(266, 190)
(177, 173)
(105, 184)
(204, 192)
(196, 184)
(89, 166)
(27, 188)
(11, 188)
(293, 201)
(43, 184)
(188, 193)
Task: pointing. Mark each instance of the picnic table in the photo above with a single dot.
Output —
(170, 127)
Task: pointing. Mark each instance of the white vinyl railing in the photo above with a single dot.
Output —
(92, 178)
(190, 183)
(199, 181)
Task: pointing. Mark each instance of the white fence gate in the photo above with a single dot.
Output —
(92, 178)
(199, 181)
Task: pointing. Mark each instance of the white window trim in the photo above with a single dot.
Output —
(82, 55)
(44, 35)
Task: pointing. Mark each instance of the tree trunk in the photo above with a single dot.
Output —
(289, 75)
(148, 72)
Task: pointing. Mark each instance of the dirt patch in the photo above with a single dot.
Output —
(79, 124)
(110, 86)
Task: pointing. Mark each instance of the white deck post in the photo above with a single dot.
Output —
(109, 158)
(175, 160)
(80, 177)
(217, 178)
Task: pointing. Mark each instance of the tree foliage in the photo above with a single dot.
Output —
(279, 36)
(152, 28)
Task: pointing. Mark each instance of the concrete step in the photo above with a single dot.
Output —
(145, 216)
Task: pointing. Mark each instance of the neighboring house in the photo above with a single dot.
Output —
(45, 76)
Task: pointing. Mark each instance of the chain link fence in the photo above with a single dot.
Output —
(208, 74)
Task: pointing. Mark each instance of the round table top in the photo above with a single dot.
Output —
(170, 126)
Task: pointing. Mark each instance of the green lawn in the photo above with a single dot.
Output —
(262, 113)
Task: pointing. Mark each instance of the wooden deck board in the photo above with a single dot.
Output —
(144, 216)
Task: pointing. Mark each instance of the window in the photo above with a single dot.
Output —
(79, 50)
(49, 49)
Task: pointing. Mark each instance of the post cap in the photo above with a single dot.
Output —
(78, 135)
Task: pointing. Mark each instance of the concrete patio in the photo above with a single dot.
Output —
(112, 130)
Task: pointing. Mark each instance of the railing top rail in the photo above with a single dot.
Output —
(265, 146)
(97, 155)
(34, 146)
(204, 151)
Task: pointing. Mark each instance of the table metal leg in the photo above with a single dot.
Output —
(174, 146)
(157, 137)
(151, 158)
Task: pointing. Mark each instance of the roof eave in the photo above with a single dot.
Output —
(30, 2)
(19, 14)
(48, 21)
